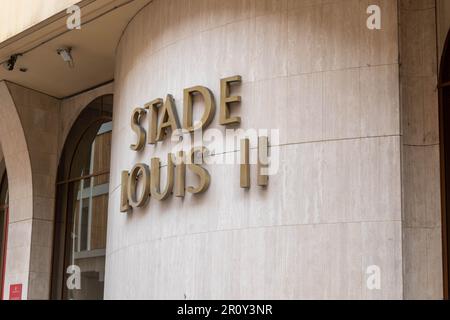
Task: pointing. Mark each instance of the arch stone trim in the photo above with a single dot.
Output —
(18, 165)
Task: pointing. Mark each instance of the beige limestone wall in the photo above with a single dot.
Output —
(422, 241)
(39, 116)
(19, 15)
(31, 162)
(334, 208)
(17, 160)
(28, 138)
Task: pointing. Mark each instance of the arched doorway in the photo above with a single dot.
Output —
(82, 205)
(4, 220)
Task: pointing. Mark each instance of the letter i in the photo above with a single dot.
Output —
(124, 204)
(180, 179)
(263, 161)
(245, 163)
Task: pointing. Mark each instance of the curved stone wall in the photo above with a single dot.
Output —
(314, 71)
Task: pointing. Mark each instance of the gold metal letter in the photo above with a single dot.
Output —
(245, 163)
(208, 114)
(136, 116)
(263, 162)
(124, 206)
(156, 176)
(139, 171)
(169, 118)
(201, 172)
(226, 100)
(153, 121)
(180, 179)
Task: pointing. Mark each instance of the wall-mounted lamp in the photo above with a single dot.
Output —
(11, 62)
(66, 55)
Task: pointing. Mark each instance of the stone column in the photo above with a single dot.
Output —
(421, 219)
(29, 130)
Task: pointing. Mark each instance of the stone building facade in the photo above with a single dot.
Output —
(355, 210)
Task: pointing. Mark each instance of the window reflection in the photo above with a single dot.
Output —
(89, 203)
(82, 209)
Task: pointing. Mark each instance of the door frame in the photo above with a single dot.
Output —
(4, 250)
(444, 84)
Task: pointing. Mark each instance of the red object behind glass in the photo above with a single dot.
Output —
(15, 292)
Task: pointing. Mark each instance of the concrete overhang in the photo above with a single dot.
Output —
(93, 48)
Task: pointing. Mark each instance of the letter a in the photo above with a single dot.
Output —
(74, 19)
(374, 20)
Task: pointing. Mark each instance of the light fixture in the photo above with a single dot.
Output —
(11, 62)
(66, 55)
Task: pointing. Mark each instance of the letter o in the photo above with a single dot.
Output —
(135, 200)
